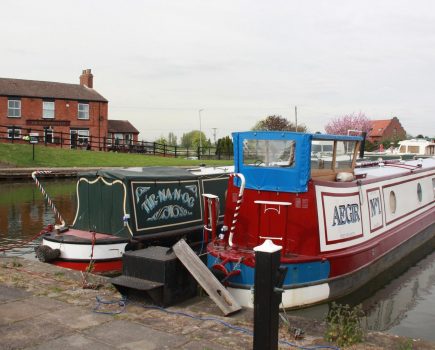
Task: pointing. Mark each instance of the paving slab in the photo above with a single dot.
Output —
(19, 310)
(10, 294)
(72, 342)
(76, 317)
(30, 332)
(133, 336)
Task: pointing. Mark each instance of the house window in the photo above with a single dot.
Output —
(48, 135)
(83, 111)
(14, 133)
(14, 108)
(79, 137)
(48, 109)
(128, 139)
(118, 138)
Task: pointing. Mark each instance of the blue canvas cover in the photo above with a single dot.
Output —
(278, 177)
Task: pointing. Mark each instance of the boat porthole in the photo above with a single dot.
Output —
(392, 202)
(419, 193)
(433, 186)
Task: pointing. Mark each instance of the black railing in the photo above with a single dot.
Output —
(49, 138)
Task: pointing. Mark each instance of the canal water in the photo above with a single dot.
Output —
(403, 306)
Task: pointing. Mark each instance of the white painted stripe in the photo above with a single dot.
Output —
(290, 298)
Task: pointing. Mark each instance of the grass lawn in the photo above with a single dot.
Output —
(19, 155)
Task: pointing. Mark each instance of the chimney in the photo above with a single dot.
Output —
(87, 79)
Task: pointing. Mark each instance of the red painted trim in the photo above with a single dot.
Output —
(331, 194)
(411, 212)
(408, 180)
(99, 266)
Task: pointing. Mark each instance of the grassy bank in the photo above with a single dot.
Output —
(16, 155)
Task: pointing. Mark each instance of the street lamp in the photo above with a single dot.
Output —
(200, 130)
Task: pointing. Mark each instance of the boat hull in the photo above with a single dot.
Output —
(79, 248)
(417, 235)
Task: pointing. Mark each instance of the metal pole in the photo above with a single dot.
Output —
(200, 129)
(296, 118)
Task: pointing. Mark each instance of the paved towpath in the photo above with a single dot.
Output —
(45, 307)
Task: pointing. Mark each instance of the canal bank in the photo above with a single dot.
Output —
(45, 307)
(12, 174)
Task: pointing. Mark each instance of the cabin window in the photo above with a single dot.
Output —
(393, 202)
(433, 186)
(344, 154)
(413, 149)
(269, 153)
(322, 152)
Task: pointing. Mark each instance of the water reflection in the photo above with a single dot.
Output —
(23, 211)
(406, 306)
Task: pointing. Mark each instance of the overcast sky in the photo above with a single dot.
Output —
(159, 62)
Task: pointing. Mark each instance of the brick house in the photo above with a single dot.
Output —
(121, 132)
(57, 111)
(386, 130)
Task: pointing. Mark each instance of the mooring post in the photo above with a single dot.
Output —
(269, 277)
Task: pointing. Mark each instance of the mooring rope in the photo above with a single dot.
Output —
(47, 198)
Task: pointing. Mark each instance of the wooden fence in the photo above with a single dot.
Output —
(49, 138)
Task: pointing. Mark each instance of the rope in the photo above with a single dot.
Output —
(15, 246)
(123, 303)
(47, 198)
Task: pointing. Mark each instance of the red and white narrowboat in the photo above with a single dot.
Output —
(339, 224)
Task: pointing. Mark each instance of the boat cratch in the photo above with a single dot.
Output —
(130, 208)
(339, 223)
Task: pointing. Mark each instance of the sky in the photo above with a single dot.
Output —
(160, 62)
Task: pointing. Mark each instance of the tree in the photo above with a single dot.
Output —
(341, 125)
(277, 123)
(161, 140)
(191, 139)
(224, 146)
(172, 139)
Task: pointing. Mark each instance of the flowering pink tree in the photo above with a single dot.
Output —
(353, 121)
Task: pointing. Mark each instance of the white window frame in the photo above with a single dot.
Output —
(109, 139)
(50, 132)
(120, 139)
(83, 111)
(83, 136)
(48, 109)
(128, 138)
(17, 132)
(14, 106)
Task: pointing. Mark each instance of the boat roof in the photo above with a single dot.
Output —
(395, 168)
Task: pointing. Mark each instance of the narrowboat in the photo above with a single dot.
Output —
(339, 223)
(131, 208)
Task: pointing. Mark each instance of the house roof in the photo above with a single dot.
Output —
(47, 89)
(121, 126)
(378, 127)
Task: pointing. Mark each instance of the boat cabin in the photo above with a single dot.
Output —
(286, 161)
(417, 146)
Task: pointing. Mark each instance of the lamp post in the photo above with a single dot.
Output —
(200, 130)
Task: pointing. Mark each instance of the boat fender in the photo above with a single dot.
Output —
(344, 177)
(44, 253)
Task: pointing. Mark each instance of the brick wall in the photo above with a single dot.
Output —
(65, 110)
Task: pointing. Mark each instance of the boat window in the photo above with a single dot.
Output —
(322, 154)
(419, 193)
(344, 154)
(392, 202)
(433, 186)
(402, 149)
(269, 153)
(413, 149)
